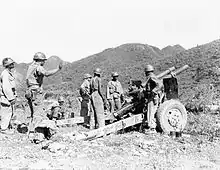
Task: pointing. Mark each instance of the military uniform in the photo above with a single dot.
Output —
(7, 94)
(34, 80)
(54, 111)
(97, 116)
(152, 92)
(114, 92)
(85, 103)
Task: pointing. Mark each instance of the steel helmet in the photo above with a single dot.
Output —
(87, 76)
(39, 56)
(60, 99)
(115, 74)
(149, 68)
(97, 71)
(7, 61)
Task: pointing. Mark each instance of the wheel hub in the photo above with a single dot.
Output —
(174, 118)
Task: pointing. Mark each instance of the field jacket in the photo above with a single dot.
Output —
(7, 87)
(85, 90)
(153, 86)
(114, 89)
(35, 75)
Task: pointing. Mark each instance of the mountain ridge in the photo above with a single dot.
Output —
(129, 61)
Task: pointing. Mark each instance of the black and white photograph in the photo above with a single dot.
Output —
(109, 85)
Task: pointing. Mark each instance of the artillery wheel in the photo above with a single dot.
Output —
(171, 116)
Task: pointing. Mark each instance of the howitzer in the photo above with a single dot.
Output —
(136, 94)
(168, 82)
(138, 83)
(178, 71)
(171, 114)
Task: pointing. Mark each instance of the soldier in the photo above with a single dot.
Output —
(85, 102)
(152, 90)
(114, 93)
(57, 110)
(7, 94)
(34, 80)
(97, 101)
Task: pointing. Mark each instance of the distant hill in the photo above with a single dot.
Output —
(129, 61)
(172, 50)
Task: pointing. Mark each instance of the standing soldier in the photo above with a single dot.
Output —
(97, 101)
(7, 94)
(34, 80)
(85, 94)
(152, 90)
(114, 93)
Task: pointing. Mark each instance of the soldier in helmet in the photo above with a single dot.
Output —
(85, 93)
(7, 94)
(152, 90)
(114, 93)
(97, 118)
(57, 110)
(34, 80)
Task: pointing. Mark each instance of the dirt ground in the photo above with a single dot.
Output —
(130, 150)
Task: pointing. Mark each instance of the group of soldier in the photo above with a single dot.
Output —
(34, 92)
(92, 100)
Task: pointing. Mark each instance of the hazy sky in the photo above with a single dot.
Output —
(73, 29)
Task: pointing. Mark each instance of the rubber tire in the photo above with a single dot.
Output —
(163, 110)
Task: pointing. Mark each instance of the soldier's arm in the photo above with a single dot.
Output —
(84, 89)
(158, 83)
(107, 92)
(100, 89)
(143, 85)
(48, 73)
(121, 89)
(7, 88)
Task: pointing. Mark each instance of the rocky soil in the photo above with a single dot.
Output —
(130, 150)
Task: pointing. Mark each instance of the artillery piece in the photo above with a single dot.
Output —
(171, 114)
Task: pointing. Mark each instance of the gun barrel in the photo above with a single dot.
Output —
(123, 110)
(178, 71)
(181, 69)
(165, 72)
